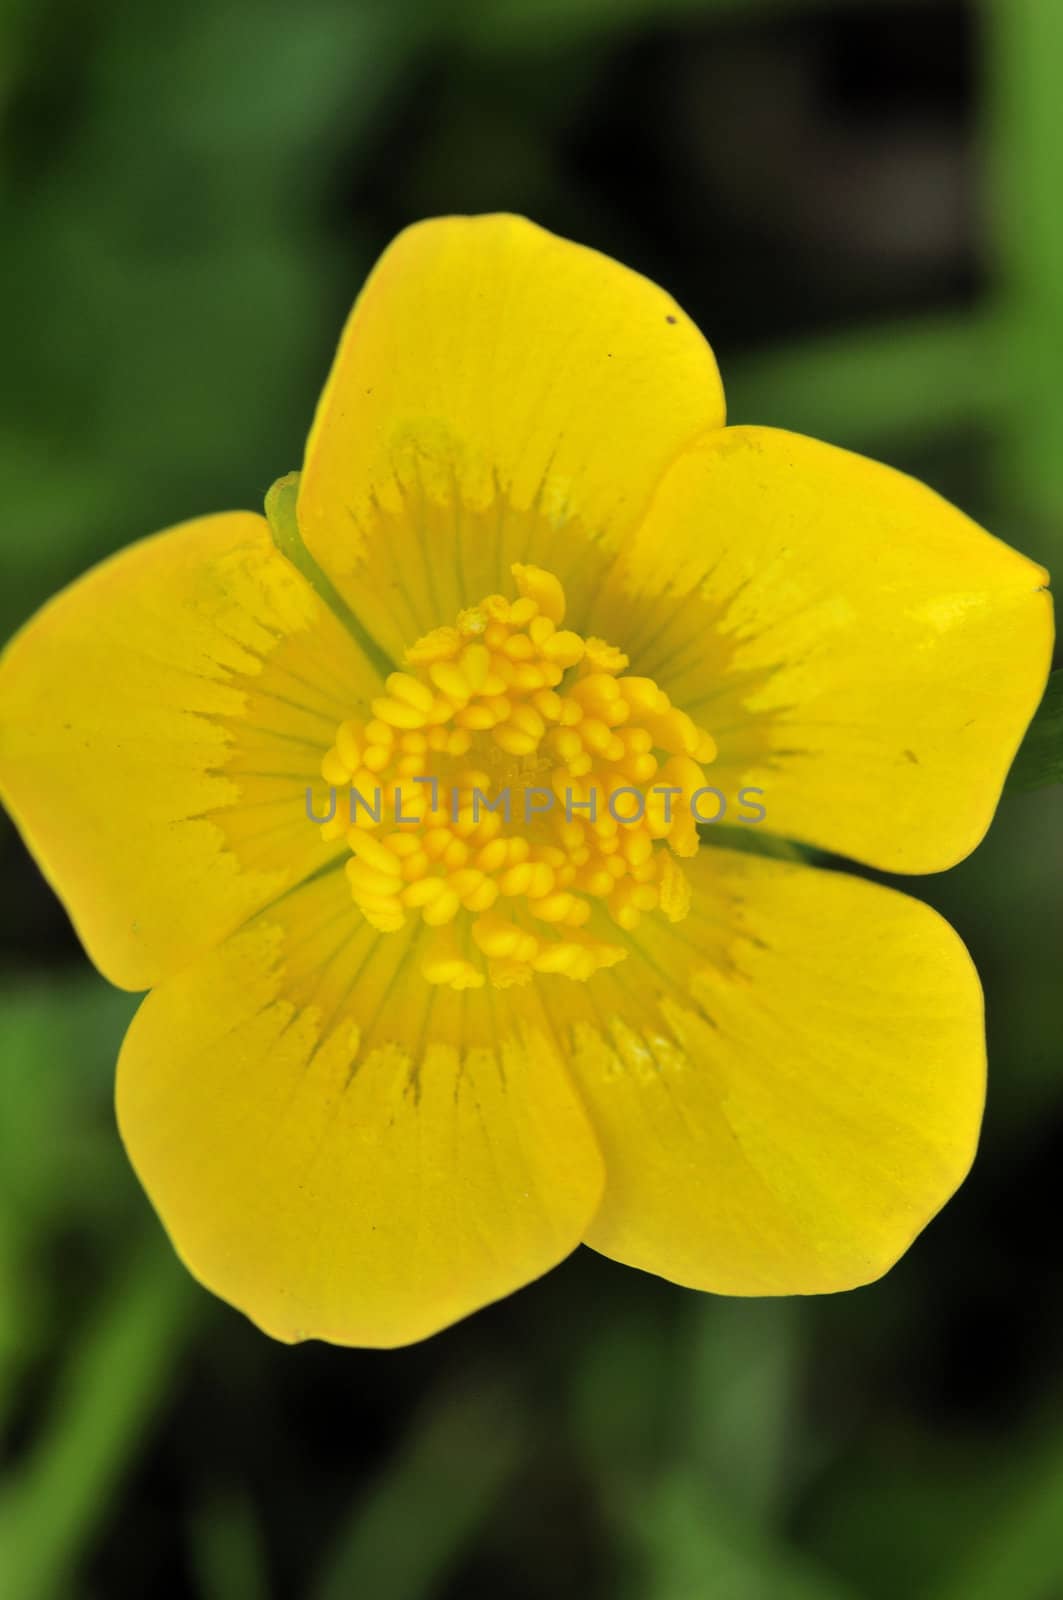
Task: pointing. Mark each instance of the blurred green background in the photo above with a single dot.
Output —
(860, 204)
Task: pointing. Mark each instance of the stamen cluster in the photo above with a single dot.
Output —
(508, 700)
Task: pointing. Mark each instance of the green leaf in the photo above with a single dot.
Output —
(695, 1544)
(1016, 1554)
(102, 1412)
(1040, 758)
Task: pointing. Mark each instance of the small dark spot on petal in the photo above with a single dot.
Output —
(670, 319)
(910, 755)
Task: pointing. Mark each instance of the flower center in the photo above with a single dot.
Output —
(518, 792)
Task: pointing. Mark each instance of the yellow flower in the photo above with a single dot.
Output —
(393, 1069)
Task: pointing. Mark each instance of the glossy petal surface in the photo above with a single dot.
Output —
(341, 1150)
(159, 722)
(859, 649)
(786, 1086)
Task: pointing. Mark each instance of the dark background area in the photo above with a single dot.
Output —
(858, 204)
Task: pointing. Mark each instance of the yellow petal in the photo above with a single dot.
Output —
(159, 723)
(342, 1150)
(786, 1086)
(499, 395)
(858, 648)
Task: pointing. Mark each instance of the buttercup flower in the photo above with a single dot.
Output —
(395, 1066)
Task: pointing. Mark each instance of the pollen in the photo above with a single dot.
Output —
(518, 792)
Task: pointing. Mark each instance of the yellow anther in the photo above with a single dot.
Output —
(456, 854)
(538, 711)
(492, 856)
(403, 844)
(528, 720)
(541, 880)
(567, 743)
(398, 714)
(599, 737)
(529, 676)
(442, 711)
(334, 769)
(640, 769)
(477, 718)
(547, 703)
(563, 786)
(368, 882)
(453, 971)
(411, 691)
(513, 741)
(465, 880)
(518, 647)
(684, 772)
(515, 880)
(377, 757)
(496, 936)
(347, 746)
(378, 855)
(565, 649)
(442, 644)
(383, 920)
(446, 675)
(624, 913)
(637, 847)
(522, 612)
(483, 898)
(540, 630)
(553, 907)
(475, 661)
(443, 962)
(442, 908)
(415, 866)
(542, 587)
(642, 694)
(596, 686)
(424, 891)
